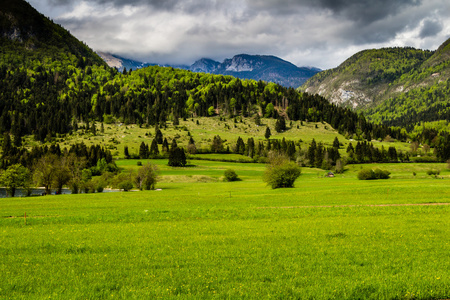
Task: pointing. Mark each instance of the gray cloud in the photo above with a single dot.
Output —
(320, 33)
(430, 28)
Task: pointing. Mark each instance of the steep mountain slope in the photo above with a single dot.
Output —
(364, 79)
(24, 29)
(396, 86)
(257, 67)
(121, 63)
(205, 65)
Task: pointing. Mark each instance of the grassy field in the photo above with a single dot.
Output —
(116, 136)
(202, 238)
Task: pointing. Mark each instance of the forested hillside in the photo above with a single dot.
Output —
(393, 86)
(48, 88)
(50, 82)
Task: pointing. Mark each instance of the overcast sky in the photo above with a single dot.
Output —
(319, 33)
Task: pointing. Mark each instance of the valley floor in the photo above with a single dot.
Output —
(200, 237)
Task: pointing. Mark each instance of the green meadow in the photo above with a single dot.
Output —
(116, 136)
(198, 237)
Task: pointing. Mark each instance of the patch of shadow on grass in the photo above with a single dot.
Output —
(364, 292)
(188, 179)
(339, 235)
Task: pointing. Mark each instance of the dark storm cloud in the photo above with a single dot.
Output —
(366, 11)
(320, 33)
(361, 11)
(430, 28)
(190, 6)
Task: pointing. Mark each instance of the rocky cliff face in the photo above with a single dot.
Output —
(205, 65)
(257, 67)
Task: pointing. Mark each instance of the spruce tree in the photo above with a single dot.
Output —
(336, 143)
(165, 145)
(268, 133)
(174, 144)
(154, 148)
(143, 151)
(177, 157)
(280, 125)
(158, 135)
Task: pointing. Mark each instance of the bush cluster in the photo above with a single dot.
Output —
(230, 175)
(281, 172)
(434, 172)
(368, 174)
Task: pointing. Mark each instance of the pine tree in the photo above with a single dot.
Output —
(280, 125)
(143, 151)
(240, 146)
(257, 119)
(154, 148)
(336, 143)
(177, 157)
(165, 145)
(250, 151)
(174, 144)
(217, 144)
(312, 152)
(268, 133)
(350, 148)
(158, 135)
(191, 148)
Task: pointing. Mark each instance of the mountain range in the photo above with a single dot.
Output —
(395, 86)
(257, 67)
(41, 62)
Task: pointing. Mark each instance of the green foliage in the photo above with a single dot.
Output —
(15, 176)
(268, 134)
(146, 177)
(280, 125)
(126, 185)
(369, 174)
(433, 172)
(230, 175)
(217, 144)
(177, 157)
(281, 172)
(406, 85)
(269, 110)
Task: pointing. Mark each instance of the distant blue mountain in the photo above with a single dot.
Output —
(258, 67)
(244, 66)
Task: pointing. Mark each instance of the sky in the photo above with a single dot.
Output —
(318, 33)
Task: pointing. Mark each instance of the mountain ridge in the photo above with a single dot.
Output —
(267, 68)
(393, 86)
(22, 25)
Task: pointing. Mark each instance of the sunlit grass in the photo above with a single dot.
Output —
(327, 238)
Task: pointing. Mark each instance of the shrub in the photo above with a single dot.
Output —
(177, 157)
(281, 172)
(365, 174)
(434, 172)
(230, 175)
(139, 163)
(368, 174)
(147, 177)
(126, 185)
(381, 174)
